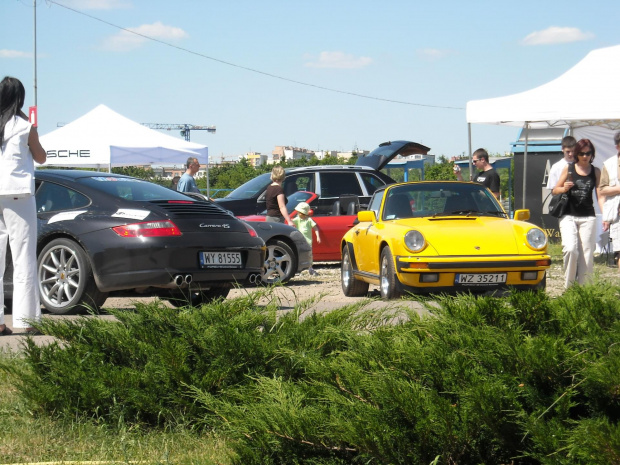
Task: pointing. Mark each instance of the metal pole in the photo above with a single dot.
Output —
(527, 126)
(471, 167)
(208, 188)
(35, 52)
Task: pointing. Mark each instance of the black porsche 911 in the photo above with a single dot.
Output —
(100, 232)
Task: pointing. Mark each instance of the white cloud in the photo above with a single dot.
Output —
(97, 4)
(338, 60)
(125, 40)
(4, 53)
(556, 35)
(433, 53)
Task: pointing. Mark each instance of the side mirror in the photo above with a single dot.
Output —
(366, 216)
(522, 215)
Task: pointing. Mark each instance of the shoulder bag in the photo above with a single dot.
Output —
(558, 204)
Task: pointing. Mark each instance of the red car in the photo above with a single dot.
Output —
(331, 227)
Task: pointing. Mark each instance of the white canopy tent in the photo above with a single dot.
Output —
(585, 98)
(103, 138)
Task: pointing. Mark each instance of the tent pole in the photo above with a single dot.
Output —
(527, 126)
(208, 188)
(471, 174)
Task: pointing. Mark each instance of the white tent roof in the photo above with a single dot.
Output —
(102, 137)
(586, 95)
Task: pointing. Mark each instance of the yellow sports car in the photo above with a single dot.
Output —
(441, 236)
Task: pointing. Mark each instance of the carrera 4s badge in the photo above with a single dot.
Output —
(207, 225)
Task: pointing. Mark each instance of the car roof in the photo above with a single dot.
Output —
(73, 174)
(327, 168)
(382, 155)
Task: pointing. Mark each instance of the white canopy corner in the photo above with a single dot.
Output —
(104, 138)
(585, 95)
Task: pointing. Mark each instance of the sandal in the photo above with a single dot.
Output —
(6, 331)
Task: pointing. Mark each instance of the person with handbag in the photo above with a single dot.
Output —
(578, 224)
(610, 189)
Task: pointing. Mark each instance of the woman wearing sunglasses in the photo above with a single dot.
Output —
(578, 225)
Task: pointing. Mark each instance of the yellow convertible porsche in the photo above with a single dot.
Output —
(441, 236)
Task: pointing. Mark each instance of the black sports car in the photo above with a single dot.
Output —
(100, 232)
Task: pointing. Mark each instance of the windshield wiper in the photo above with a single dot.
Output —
(494, 213)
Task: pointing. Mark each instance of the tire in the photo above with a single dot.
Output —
(389, 286)
(542, 285)
(280, 263)
(351, 287)
(194, 298)
(66, 282)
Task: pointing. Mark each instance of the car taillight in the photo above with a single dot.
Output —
(251, 230)
(148, 229)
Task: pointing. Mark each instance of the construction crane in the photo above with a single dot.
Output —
(184, 128)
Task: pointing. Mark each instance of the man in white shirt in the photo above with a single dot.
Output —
(609, 188)
(568, 148)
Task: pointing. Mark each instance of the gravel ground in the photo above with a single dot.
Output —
(324, 288)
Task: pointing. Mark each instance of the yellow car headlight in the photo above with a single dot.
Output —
(536, 238)
(414, 241)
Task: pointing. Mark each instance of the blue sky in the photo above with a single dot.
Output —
(232, 64)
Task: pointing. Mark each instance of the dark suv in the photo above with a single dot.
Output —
(329, 182)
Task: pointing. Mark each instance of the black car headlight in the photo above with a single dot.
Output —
(536, 238)
(414, 241)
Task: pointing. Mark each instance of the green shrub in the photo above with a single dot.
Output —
(523, 379)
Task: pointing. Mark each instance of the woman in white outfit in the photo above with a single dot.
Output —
(20, 148)
(580, 180)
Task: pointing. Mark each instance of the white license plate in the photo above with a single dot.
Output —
(477, 279)
(220, 260)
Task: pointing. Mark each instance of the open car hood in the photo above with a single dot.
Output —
(383, 154)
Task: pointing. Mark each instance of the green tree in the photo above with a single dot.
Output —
(441, 171)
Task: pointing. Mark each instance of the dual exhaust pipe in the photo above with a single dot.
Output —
(179, 279)
(182, 280)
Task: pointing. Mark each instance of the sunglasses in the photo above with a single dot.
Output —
(475, 160)
(585, 154)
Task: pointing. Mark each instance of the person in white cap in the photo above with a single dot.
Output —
(306, 225)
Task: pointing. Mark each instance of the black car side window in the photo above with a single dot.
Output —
(52, 197)
(371, 182)
(337, 184)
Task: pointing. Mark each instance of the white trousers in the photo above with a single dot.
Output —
(18, 225)
(578, 245)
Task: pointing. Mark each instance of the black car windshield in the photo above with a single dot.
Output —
(131, 188)
(251, 188)
(424, 199)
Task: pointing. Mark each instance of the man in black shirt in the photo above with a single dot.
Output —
(487, 176)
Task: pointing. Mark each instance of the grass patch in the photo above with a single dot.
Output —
(522, 379)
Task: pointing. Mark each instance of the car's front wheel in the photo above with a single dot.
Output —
(280, 263)
(194, 297)
(351, 287)
(66, 282)
(389, 286)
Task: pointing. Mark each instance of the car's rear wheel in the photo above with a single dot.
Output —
(280, 263)
(66, 282)
(389, 286)
(351, 287)
(194, 297)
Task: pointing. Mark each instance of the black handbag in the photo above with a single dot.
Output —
(558, 205)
